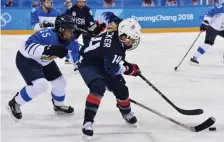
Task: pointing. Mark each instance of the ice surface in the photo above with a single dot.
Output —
(191, 87)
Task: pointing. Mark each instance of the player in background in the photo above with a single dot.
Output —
(219, 1)
(84, 20)
(102, 66)
(213, 24)
(35, 62)
(44, 16)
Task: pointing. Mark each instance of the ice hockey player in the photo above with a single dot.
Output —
(44, 16)
(213, 24)
(35, 62)
(84, 20)
(102, 67)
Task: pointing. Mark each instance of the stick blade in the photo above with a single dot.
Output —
(190, 112)
(175, 68)
(209, 122)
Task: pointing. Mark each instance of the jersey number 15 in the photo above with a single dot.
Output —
(45, 33)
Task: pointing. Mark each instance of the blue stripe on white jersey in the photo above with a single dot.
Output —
(218, 9)
(34, 50)
(215, 17)
(35, 44)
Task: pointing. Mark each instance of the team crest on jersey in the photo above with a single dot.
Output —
(73, 13)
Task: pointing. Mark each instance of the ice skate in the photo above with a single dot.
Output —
(63, 109)
(194, 60)
(87, 130)
(14, 109)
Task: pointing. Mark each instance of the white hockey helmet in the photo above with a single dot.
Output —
(132, 29)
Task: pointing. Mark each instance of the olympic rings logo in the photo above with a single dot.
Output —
(5, 18)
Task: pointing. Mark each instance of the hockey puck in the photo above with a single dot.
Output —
(175, 68)
(212, 129)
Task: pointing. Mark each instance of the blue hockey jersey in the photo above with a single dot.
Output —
(105, 52)
(34, 46)
(38, 16)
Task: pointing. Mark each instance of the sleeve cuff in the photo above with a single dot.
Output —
(207, 18)
(122, 69)
(37, 27)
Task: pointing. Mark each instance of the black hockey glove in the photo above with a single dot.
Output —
(131, 69)
(55, 50)
(204, 25)
(47, 24)
(96, 31)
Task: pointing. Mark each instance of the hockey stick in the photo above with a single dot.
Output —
(209, 122)
(79, 29)
(71, 60)
(182, 111)
(188, 51)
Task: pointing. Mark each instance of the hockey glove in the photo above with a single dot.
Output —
(55, 50)
(204, 25)
(47, 24)
(99, 28)
(96, 31)
(131, 69)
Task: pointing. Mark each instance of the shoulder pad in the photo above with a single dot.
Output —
(86, 7)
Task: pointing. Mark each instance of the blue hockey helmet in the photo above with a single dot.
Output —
(64, 26)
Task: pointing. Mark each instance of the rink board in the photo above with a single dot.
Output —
(157, 30)
(152, 20)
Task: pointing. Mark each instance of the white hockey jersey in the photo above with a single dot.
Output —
(33, 48)
(215, 17)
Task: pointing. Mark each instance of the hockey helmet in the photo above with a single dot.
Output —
(129, 32)
(64, 26)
